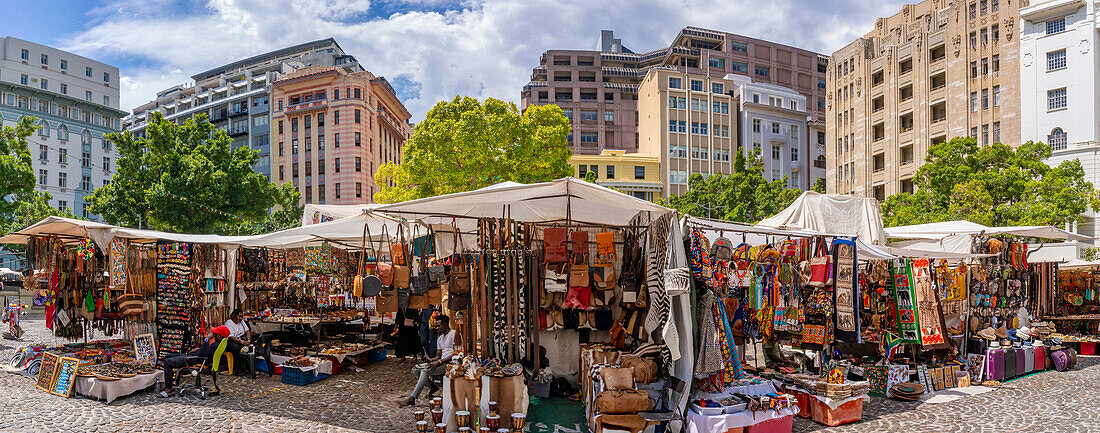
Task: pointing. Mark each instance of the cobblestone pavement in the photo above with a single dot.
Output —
(363, 401)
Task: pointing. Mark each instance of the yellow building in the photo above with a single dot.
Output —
(637, 174)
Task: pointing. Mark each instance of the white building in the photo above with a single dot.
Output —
(76, 102)
(774, 123)
(1058, 88)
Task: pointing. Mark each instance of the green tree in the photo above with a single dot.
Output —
(16, 172)
(591, 177)
(743, 195)
(819, 185)
(465, 144)
(183, 178)
(287, 213)
(993, 185)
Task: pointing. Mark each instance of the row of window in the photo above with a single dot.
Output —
(985, 138)
(305, 98)
(985, 66)
(680, 151)
(985, 100)
(584, 169)
(984, 6)
(63, 157)
(55, 109)
(25, 54)
(63, 180)
(985, 34)
(776, 101)
(321, 167)
(591, 115)
(358, 140)
(696, 85)
(775, 128)
(336, 191)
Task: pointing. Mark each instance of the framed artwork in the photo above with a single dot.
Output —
(145, 348)
(975, 365)
(65, 376)
(47, 372)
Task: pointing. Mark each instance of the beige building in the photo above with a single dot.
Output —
(636, 174)
(599, 89)
(936, 70)
(690, 122)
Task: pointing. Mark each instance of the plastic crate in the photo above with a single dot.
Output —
(337, 366)
(1088, 348)
(379, 354)
(851, 411)
(295, 376)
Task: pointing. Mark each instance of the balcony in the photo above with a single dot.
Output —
(306, 106)
(237, 132)
(238, 113)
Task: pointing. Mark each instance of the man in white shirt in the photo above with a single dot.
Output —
(436, 366)
(239, 334)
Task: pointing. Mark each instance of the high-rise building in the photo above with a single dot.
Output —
(332, 130)
(774, 124)
(235, 96)
(76, 102)
(599, 89)
(936, 70)
(1060, 105)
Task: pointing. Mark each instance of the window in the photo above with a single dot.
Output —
(356, 92)
(695, 104)
(358, 164)
(776, 151)
(739, 67)
(974, 132)
(1056, 60)
(45, 59)
(675, 83)
(985, 66)
(974, 101)
(1057, 139)
(671, 126)
(106, 163)
(281, 172)
(610, 172)
(357, 116)
(974, 69)
(1056, 99)
(697, 85)
(569, 112)
(358, 189)
(995, 33)
(106, 77)
(336, 117)
(23, 79)
(996, 96)
(609, 116)
(794, 131)
(1056, 26)
(335, 96)
(985, 99)
(683, 126)
(43, 176)
(763, 71)
(677, 176)
(671, 102)
(703, 128)
(985, 134)
(588, 115)
(63, 205)
(86, 160)
(756, 98)
(595, 169)
(336, 140)
(985, 36)
(639, 172)
(44, 84)
(717, 88)
(775, 128)
(740, 47)
(24, 55)
(993, 6)
(63, 156)
(996, 132)
(62, 179)
(717, 62)
(106, 100)
(64, 89)
(358, 140)
(85, 183)
(87, 71)
(590, 137)
(336, 190)
(973, 10)
(996, 62)
(88, 95)
(794, 154)
(756, 125)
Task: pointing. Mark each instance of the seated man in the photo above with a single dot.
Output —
(436, 366)
(174, 362)
(239, 335)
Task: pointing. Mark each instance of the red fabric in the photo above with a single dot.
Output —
(50, 308)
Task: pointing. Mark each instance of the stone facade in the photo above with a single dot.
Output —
(936, 70)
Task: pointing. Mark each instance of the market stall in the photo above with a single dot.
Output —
(570, 268)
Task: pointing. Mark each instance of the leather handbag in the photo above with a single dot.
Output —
(458, 302)
(579, 239)
(617, 378)
(603, 276)
(819, 266)
(459, 283)
(387, 301)
(385, 273)
(418, 301)
(645, 370)
(605, 246)
(578, 272)
(623, 401)
(401, 276)
(398, 249)
(556, 279)
(130, 304)
(372, 285)
(555, 246)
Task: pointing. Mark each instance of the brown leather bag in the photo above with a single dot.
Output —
(459, 282)
(555, 245)
(645, 370)
(578, 273)
(401, 275)
(623, 401)
(398, 250)
(387, 301)
(605, 246)
(617, 378)
(579, 239)
(603, 276)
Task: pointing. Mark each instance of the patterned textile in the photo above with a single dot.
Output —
(700, 258)
(660, 305)
(733, 369)
(500, 304)
(847, 274)
(118, 263)
(932, 327)
(709, 359)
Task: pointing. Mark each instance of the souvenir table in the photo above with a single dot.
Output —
(322, 365)
(110, 390)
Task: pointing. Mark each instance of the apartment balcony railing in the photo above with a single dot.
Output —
(703, 33)
(237, 132)
(238, 113)
(306, 106)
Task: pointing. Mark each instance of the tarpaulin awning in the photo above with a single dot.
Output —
(319, 213)
(843, 215)
(940, 230)
(347, 232)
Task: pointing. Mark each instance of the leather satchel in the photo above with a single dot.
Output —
(401, 275)
(623, 401)
(459, 284)
(419, 284)
(556, 280)
(578, 273)
(603, 276)
(617, 378)
(437, 274)
(605, 246)
(579, 239)
(645, 370)
(398, 249)
(387, 302)
(372, 286)
(555, 245)
(385, 273)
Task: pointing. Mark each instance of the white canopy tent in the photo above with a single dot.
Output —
(319, 213)
(958, 236)
(842, 215)
(58, 226)
(347, 232)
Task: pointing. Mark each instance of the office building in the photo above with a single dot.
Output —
(936, 70)
(332, 130)
(599, 89)
(775, 125)
(76, 102)
(636, 174)
(235, 97)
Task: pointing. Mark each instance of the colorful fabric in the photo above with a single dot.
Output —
(700, 258)
(733, 369)
(118, 262)
(928, 305)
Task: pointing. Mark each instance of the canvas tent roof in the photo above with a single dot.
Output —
(313, 213)
(102, 233)
(558, 201)
(836, 214)
(54, 225)
(347, 231)
(942, 230)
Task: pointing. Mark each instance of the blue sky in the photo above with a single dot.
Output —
(430, 50)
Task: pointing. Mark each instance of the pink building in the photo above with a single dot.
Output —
(332, 130)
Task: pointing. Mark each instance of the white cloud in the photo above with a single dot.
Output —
(487, 48)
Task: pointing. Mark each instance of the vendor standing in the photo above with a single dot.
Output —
(174, 362)
(437, 365)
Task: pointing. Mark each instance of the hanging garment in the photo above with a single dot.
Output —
(709, 360)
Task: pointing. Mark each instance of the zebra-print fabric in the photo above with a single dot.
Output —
(660, 307)
(520, 263)
(500, 300)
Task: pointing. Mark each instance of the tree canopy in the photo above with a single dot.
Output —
(183, 178)
(743, 196)
(993, 185)
(16, 172)
(465, 144)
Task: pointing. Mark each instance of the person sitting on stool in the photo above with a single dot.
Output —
(174, 362)
(436, 366)
(239, 335)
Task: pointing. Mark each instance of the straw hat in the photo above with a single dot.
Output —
(1002, 332)
(988, 334)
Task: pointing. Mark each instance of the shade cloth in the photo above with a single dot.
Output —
(831, 213)
(945, 229)
(110, 390)
(319, 213)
